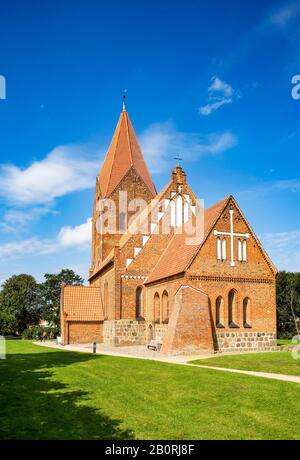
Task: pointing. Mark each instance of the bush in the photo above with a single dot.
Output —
(40, 333)
(286, 335)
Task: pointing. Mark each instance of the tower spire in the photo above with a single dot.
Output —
(123, 154)
(124, 100)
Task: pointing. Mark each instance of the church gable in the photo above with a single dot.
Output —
(175, 206)
(232, 248)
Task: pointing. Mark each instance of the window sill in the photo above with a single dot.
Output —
(233, 326)
(220, 326)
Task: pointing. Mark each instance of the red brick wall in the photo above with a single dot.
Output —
(84, 332)
(190, 327)
(103, 244)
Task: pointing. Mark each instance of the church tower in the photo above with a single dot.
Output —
(124, 170)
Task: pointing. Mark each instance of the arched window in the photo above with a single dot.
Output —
(224, 249)
(106, 300)
(220, 312)
(123, 223)
(219, 249)
(232, 308)
(173, 213)
(247, 312)
(165, 307)
(156, 308)
(139, 303)
(179, 211)
(240, 251)
(244, 251)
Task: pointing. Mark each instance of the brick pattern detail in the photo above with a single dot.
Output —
(190, 327)
(84, 332)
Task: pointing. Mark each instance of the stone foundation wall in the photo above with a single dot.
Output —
(246, 341)
(123, 333)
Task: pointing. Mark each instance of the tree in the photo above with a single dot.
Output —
(20, 304)
(8, 324)
(50, 292)
(288, 303)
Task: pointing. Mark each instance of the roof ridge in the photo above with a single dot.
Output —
(75, 286)
(117, 133)
(128, 137)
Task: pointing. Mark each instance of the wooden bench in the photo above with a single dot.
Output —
(153, 345)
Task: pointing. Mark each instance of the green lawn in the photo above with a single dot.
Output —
(278, 362)
(281, 342)
(52, 394)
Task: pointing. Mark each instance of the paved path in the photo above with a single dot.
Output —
(134, 351)
(141, 352)
(266, 375)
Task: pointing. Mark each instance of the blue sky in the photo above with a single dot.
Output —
(208, 80)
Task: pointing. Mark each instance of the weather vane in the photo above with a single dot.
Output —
(179, 159)
(124, 99)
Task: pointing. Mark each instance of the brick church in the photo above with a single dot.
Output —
(165, 269)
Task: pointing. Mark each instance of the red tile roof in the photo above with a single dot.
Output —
(178, 256)
(82, 303)
(123, 153)
(174, 259)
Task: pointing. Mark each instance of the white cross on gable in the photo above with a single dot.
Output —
(231, 234)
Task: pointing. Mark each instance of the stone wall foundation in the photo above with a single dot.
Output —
(123, 333)
(246, 341)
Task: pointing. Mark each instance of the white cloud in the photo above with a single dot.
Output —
(161, 142)
(284, 15)
(30, 191)
(25, 247)
(292, 185)
(284, 249)
(264, 188)
(220, 86)
(209, 108)
(68, 237)
(14, 219)
(219, 93)
(79, 235)
(64, 170)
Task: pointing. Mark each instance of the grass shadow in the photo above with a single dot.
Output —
(35, 404)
